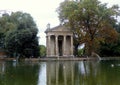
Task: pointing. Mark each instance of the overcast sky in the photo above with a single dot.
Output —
(42, 11)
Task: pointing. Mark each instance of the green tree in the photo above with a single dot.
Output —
(90, 22)
(42, 50)
(5, 26)
(20, 33)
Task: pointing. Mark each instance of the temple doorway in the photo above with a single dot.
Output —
(60, 45)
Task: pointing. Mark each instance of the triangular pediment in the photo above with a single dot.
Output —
(58, 29)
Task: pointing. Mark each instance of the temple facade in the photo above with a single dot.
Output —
(59, 42)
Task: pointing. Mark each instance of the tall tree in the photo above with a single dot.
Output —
(90, 22)
(5, 26)
(20, 33)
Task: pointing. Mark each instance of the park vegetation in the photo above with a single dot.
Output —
(42, 50)
(18, 35)
(93, 24)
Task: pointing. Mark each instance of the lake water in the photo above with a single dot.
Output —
(60, 73)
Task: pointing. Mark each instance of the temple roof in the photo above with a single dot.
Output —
(57, 28)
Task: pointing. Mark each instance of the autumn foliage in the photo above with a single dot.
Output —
(91, 22)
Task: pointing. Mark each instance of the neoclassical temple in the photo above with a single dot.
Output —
(59, 41)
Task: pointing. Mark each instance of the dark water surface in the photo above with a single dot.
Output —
(60, 73)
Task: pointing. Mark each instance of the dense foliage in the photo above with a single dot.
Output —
(42, 51)
(111, 49)
(91, 22)
(18, 35)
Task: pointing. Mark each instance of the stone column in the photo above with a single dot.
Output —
(56, 43)
(49, 42)
(64, 46)
(47, 46)
(71, 45)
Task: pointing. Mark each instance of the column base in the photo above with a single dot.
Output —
(68, 55)
(52, 56)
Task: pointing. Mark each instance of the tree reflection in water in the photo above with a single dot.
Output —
(22, 73)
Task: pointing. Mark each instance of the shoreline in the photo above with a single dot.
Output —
(62, 59)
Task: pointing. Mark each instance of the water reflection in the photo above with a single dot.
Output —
(2, 67)
(18, 73)
(82, 73)
(60, 73)
(42, 74)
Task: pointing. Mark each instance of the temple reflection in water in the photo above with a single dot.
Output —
(73, 73)
(60, 73)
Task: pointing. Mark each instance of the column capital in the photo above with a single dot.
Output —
(56, 35)
(64, 35)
